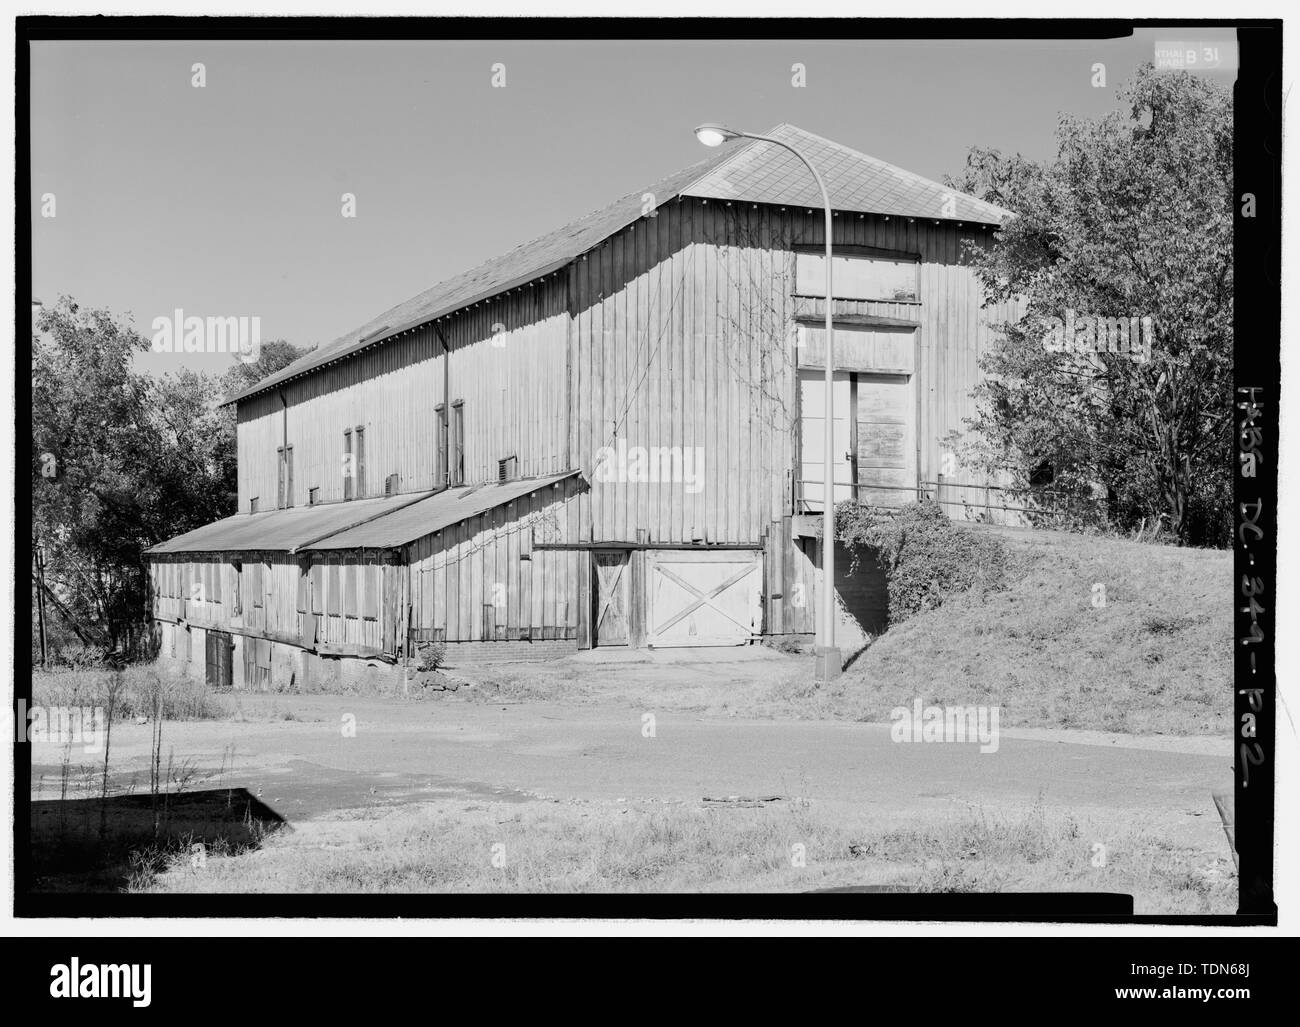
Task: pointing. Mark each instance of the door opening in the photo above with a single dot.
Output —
(609, 620)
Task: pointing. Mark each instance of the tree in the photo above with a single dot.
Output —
(121, 461)
(91, 441)
(275, 355)
(1132, 219)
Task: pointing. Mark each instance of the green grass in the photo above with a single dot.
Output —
(644, 847)
(1154, 659)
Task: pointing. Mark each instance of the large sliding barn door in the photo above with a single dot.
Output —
(703, 598)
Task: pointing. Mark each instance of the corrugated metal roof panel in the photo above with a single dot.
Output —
(358, 524)
(432, 514)
(280, 530)
(746, 170)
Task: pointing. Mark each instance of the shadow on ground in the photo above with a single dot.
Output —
(93, 845)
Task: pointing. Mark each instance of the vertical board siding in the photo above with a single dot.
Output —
(676, 334)
(682, 337)
(268, 592)
(471, 583)
(507, 364)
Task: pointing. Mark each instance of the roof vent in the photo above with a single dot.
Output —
(391, 484)
(507, 469)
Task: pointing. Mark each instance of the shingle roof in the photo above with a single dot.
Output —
(746, 169)
(766, 173)
(521, 265)
(360, 523)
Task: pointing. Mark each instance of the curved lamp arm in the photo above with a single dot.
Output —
(829, 661)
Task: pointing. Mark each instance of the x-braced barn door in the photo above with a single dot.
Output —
(705, 598)
(611, 594)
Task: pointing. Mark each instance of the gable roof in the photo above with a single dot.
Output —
(745, 169)
(763, 172)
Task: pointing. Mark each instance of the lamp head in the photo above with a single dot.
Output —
(715, 135)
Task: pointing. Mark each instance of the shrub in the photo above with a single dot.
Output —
(431, 655)
(81, 657)
(927, 557)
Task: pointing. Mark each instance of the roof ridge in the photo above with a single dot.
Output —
(548, 253)
(324, 354)
(572, 221)
(893, 167)
(545, 235)
(748, 144)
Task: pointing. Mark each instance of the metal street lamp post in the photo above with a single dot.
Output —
(829, 660)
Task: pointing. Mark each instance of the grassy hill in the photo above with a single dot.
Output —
(1155, 658)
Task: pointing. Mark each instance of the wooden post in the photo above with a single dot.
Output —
(637, 629)
(584, 562)
(40, 607)
(446, 407)
(855, 490)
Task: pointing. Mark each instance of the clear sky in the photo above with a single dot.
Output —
(225, 200)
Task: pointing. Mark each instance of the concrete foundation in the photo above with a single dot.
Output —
(829, 663)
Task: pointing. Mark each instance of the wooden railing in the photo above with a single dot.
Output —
(931, 490)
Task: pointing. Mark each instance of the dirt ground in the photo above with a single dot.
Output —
(633, 780)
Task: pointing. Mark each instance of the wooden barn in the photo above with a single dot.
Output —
(609, 436)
